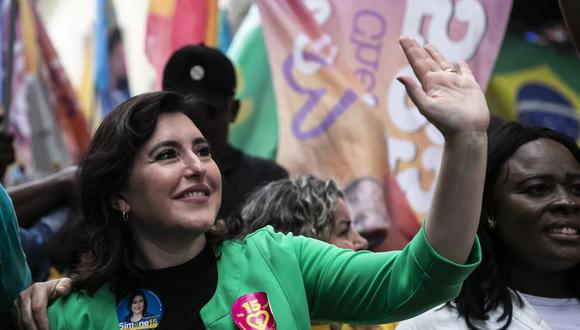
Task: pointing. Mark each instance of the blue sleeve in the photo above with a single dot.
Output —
(14, 272)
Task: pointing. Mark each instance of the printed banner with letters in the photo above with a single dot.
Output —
(342, 113)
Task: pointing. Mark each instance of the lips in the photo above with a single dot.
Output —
(199, 193)
(563, 231)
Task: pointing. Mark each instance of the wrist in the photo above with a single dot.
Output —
(467, 138)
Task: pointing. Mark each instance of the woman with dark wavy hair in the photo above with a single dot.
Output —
(151, 191)
(529, 230)
(136, 306)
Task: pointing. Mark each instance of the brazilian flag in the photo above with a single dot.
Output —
(536, 85)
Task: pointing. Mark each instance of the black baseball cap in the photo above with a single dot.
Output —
(200, 70)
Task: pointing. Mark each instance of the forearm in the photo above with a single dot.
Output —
(456, 207)
(34, 199)
(429, 280)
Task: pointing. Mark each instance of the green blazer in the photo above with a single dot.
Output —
(304, 279)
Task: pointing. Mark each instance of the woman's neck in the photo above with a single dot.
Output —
(541, 283)
(155, 254)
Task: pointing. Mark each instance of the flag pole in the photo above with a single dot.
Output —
(9, 66)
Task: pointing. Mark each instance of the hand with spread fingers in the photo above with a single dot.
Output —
(451, 100)
(448, 97)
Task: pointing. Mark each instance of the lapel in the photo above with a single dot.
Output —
(229, 255)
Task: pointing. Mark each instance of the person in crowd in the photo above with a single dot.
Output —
(529, 277)
(43, 207)
(151, 191)
(208, 73)
(41, 195)
(36, 239)
(137, 307)
(14, 272)
(304, 205)
(366, 201)
(23, 203)
(117, 89)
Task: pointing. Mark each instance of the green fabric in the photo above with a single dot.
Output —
(516, 54)
(536, 85)
(305, 278)
(255, 130)
(14, 272)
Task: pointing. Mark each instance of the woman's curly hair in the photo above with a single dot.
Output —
(304, 205)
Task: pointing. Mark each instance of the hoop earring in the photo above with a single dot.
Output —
(491, 222)
(125, 216)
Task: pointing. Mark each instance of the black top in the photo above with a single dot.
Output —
(242, 174)
(184, 290)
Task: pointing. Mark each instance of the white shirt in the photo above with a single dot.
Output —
(560, 314)
(525, 318)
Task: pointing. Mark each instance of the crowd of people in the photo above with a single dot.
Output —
(165, 225)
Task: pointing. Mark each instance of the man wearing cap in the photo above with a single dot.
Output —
(207, 73)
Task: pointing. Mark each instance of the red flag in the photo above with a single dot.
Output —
(69, 115)
(172, 24)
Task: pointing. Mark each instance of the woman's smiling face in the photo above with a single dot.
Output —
(137, 305)
(536, 206)
(174, 187)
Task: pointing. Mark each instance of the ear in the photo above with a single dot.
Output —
(120, 204)
(235, 110)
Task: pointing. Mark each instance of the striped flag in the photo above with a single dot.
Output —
(49, 127)
(172, 24)
(62, 97)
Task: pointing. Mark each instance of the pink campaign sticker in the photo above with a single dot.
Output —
(252, 312)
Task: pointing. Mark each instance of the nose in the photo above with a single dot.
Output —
(359, 242)
(373, 229)
(193, 165)
(565, 202)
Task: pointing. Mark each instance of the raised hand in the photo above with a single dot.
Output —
(449, 98)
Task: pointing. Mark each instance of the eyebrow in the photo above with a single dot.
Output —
(173, 143)
(569, 176)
